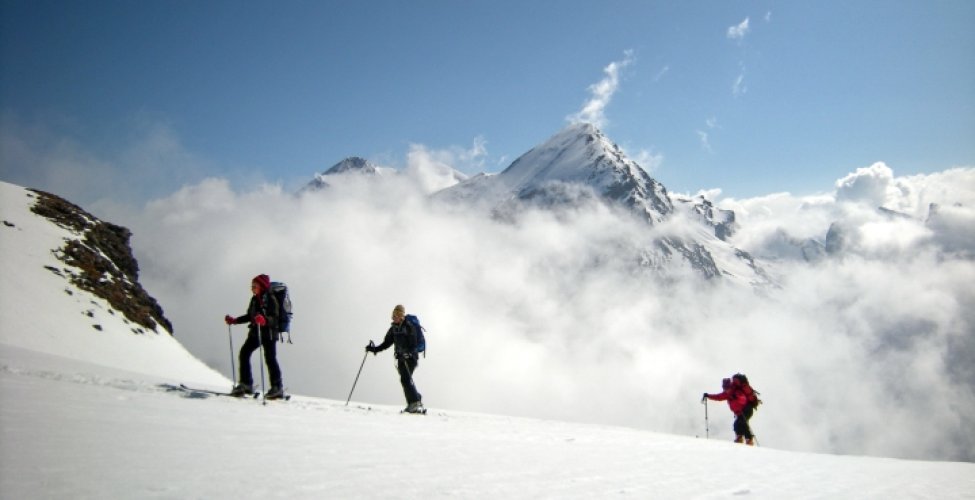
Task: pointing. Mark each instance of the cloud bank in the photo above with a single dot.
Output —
(867, 352)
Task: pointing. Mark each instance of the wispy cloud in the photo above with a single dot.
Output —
(660, 74)
(705, 135)
(593, 111)
(739, 31)
(705, 140)
(58, 160)
(738, 88)
(647, 159)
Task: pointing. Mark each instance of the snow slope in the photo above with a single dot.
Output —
(86, 414)
(71, 430)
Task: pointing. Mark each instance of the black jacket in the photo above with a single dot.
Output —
(402, 337)
(265, 304)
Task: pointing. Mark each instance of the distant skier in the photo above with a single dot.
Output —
(742, 400)
(403, 336)
(262, 314)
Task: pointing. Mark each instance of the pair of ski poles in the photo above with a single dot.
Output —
(234, 367)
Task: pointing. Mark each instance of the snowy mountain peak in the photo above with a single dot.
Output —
(350, 166)
(582, 154)
(579, 165)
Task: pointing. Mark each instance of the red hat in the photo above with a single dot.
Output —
(262, 281)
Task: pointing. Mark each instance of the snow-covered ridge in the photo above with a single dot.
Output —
(98, 259)
(65, 293)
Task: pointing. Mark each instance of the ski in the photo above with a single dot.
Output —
(184, 387)
(421, 412)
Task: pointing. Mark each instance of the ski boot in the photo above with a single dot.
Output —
(276, 392)
(241, 390)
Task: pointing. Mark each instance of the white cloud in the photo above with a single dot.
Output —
(855, 204)
(647, 159)
(704, 136)
(593, 111)
(739, 31)
(869, 185)
(437, 169)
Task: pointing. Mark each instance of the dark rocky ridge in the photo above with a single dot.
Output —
(100, 261)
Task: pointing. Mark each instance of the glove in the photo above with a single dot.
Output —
(260, 320)
(704, 397)
(371, 347)
(228, 319)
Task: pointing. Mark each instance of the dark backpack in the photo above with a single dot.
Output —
(421, 340)
(280, 291)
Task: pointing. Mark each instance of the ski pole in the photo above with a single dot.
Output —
(233, 367)
(357, 374)
(707, 428)
(260, 339)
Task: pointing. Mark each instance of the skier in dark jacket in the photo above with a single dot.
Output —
(742, 402)
(262, 315)
(402, 336)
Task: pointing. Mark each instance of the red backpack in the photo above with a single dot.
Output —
(750, 393)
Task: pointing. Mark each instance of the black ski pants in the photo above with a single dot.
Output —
(270, 356)
(406, 366)
(741, 422)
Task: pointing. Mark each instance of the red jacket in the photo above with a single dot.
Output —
(736, 395)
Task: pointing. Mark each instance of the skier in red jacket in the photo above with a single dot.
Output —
(742, 400)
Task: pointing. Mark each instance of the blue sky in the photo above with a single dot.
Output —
(750, 97)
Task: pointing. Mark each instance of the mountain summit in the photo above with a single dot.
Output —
(580, 165)
(350, 165)
(581, 154)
